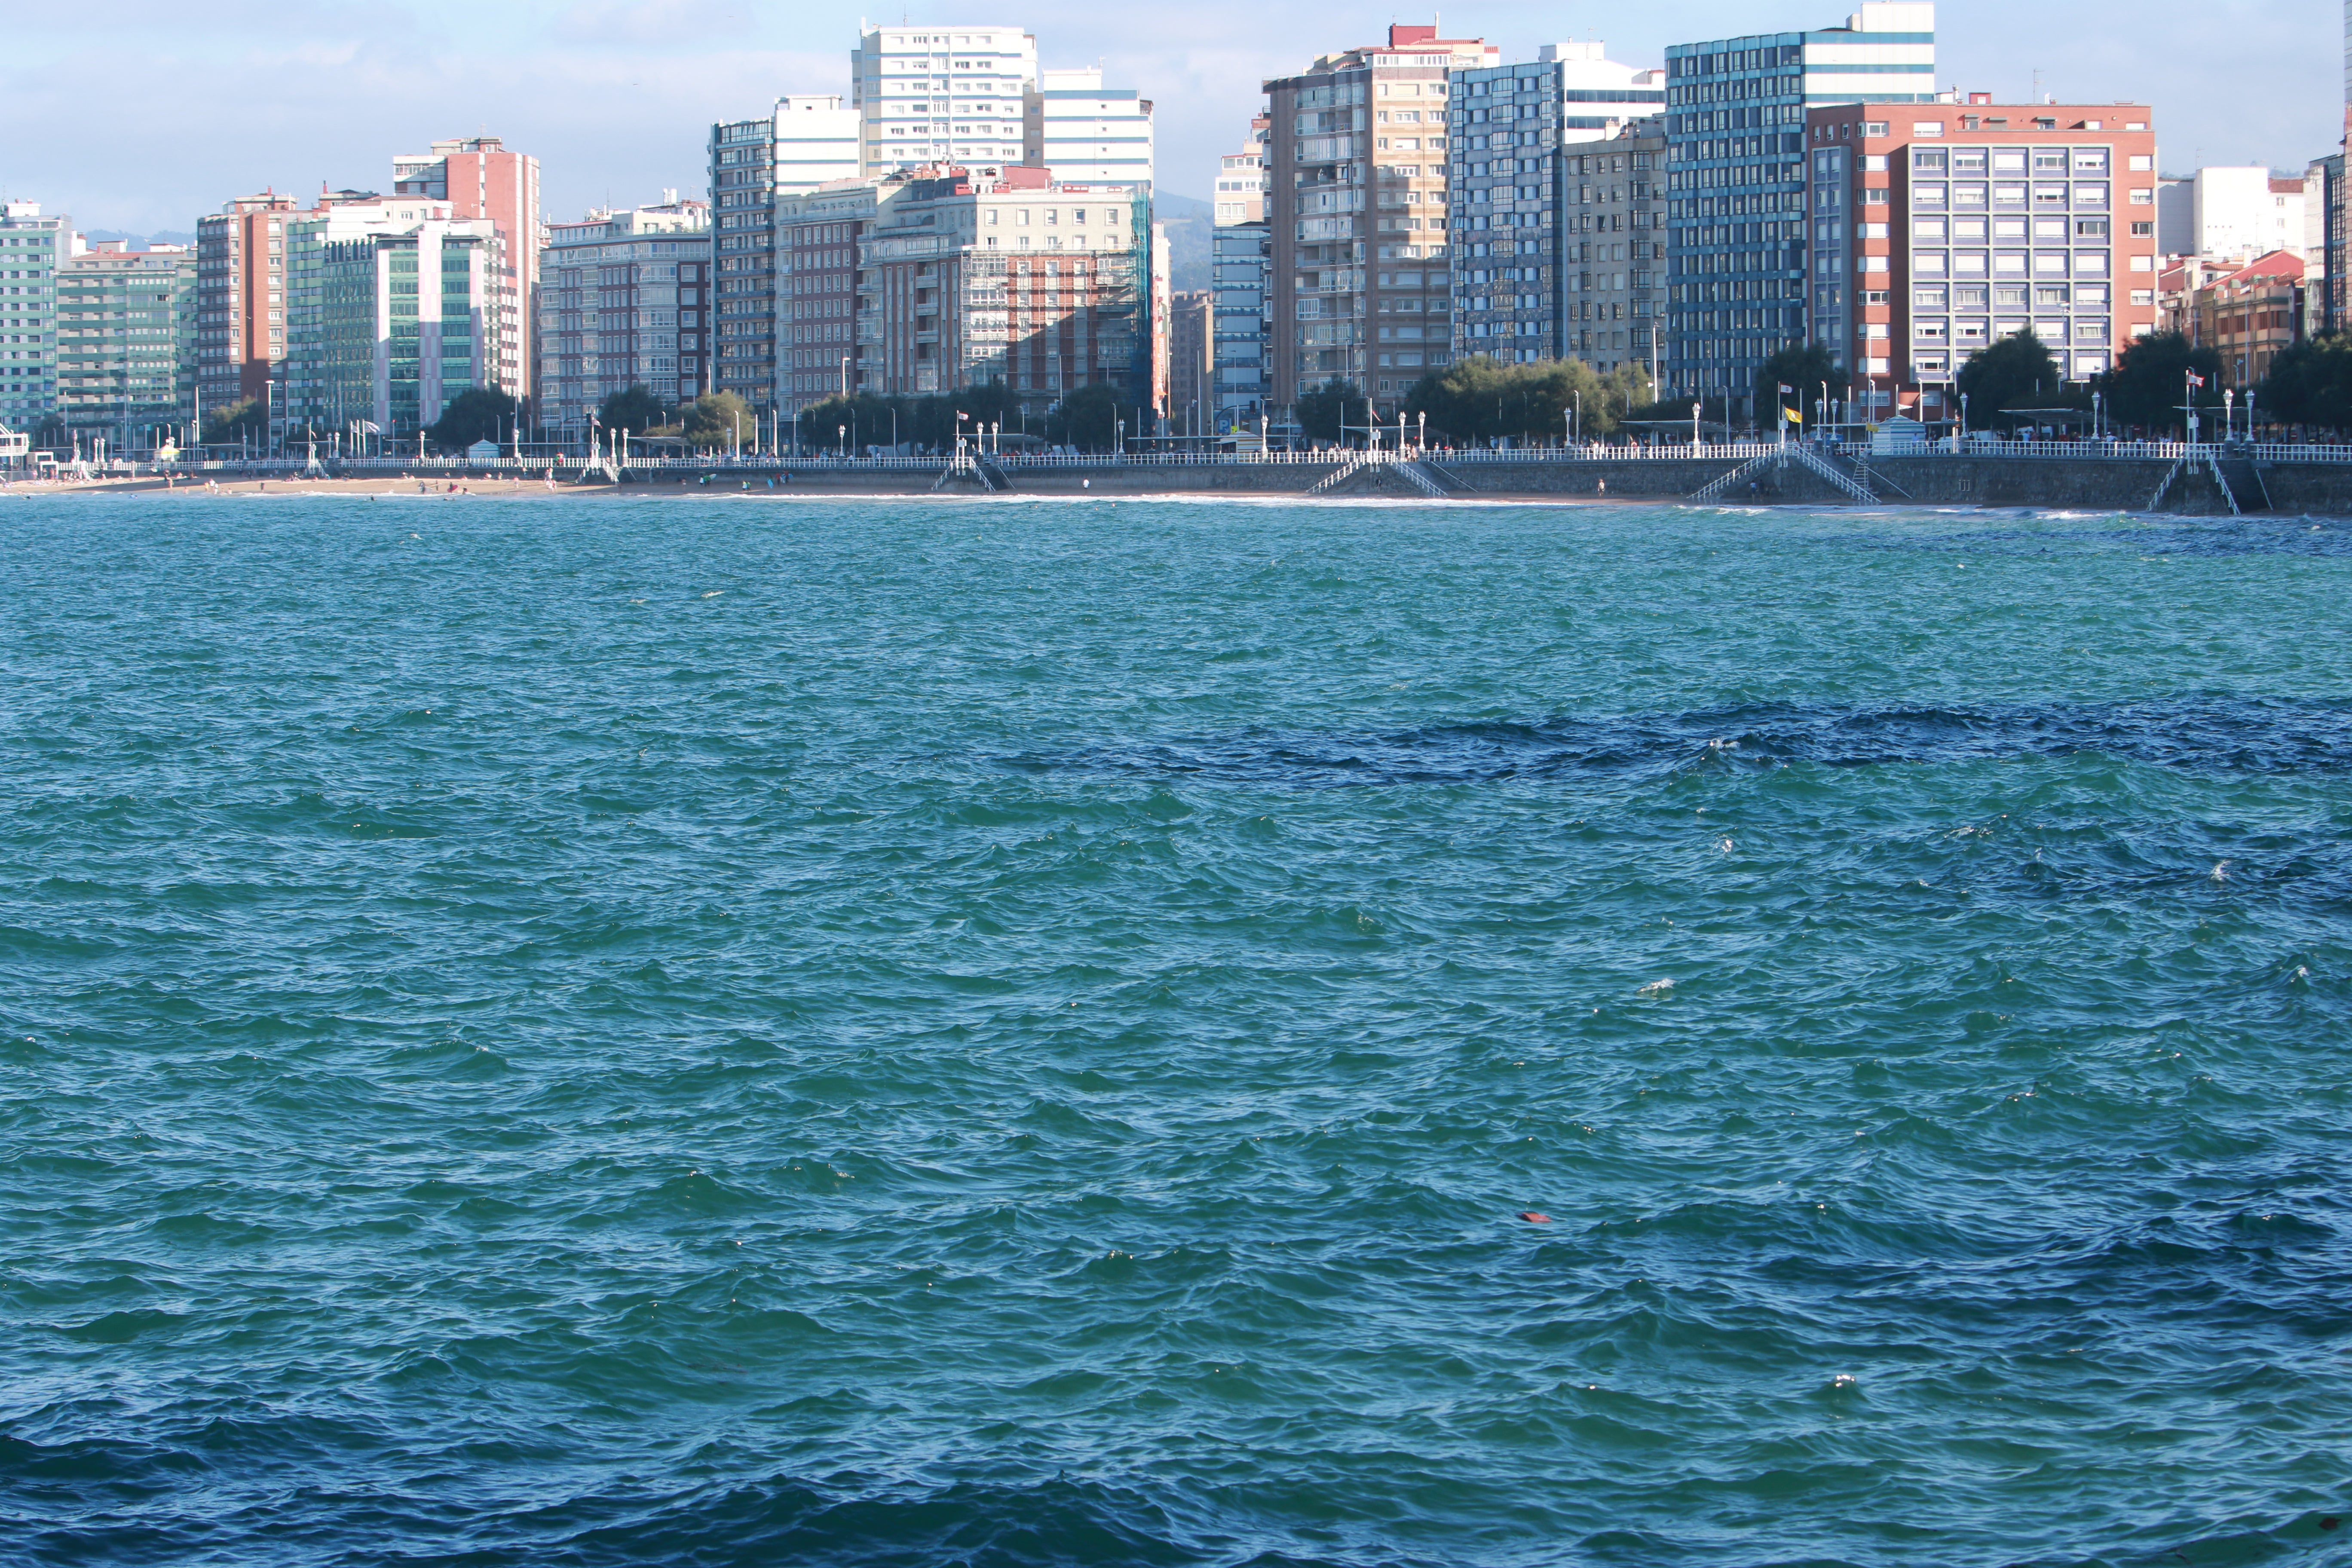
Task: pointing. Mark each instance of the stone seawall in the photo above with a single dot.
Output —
(2085, 484)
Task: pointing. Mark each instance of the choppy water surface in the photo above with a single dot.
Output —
(717, 1033)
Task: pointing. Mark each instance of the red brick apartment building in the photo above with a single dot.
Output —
(2251, 315)
(1935, 229)
(241, 302)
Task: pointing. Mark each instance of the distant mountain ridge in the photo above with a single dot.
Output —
(1191, 226)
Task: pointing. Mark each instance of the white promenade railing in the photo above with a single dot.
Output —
(763, 465)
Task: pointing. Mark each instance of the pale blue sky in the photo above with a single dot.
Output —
(140, 115)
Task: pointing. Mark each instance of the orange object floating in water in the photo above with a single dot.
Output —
(1534, 1219)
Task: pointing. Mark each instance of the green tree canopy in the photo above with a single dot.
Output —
(864, 417)
(928, 421)
(2146, 385)
(2015, 373)
(718, 421)
(2311, 384)
(1087, 418)
(237, 421)
(634, 409)
(1806, 367)
(1324, 412)
(476, 414)
(1480, 398)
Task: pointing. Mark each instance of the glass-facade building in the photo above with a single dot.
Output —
(1736, 116)
(127, 345)
(1525, 166)
(1238, 325)
(394, 311)
(32, 249)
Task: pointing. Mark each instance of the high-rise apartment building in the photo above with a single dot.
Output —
(480, 179)
(32, 249)
(1242, 179)
(1087, 133)
(1597, 292)
(931, 94)
(2175, 215)
(1938, 229)
(1018, 280)
(821, 233)
(1238, 266)
(1520, 185)
(1358, 214)
(397, 306)
(241, 301)
(804, 142)
(1736, 121)
(2327, 308)
(2238, 213)
(621, 305)
(1191, 385)
(126, 341)
(1239, 249)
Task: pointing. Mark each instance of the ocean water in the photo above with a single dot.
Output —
(707, 1032)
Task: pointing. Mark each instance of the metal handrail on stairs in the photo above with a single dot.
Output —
(2214, 465)
(1713, 489)
(1347, 470)
(1420, 479)
(1858, 488)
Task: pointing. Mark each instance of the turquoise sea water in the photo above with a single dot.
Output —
(712, 1033)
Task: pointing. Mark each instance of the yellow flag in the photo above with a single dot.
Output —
(1794, 417)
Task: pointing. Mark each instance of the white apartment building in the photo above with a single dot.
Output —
(1240, 180)
(393, 307)
(936, 94)
(2176, 214)
(800, 144)
(1087, 133)
(621, 306)
(32, 249)
(816, 141)
(1020, 281)
(2245, 212)
(1599, 98)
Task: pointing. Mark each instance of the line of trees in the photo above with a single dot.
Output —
(1482, 399)
(1087, 417)
(2311, 384)
(714, 422)
(2144, 391)
(2144, 388)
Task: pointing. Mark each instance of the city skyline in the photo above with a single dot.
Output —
(619, 97)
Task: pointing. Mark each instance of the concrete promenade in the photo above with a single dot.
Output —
(2147, 478)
